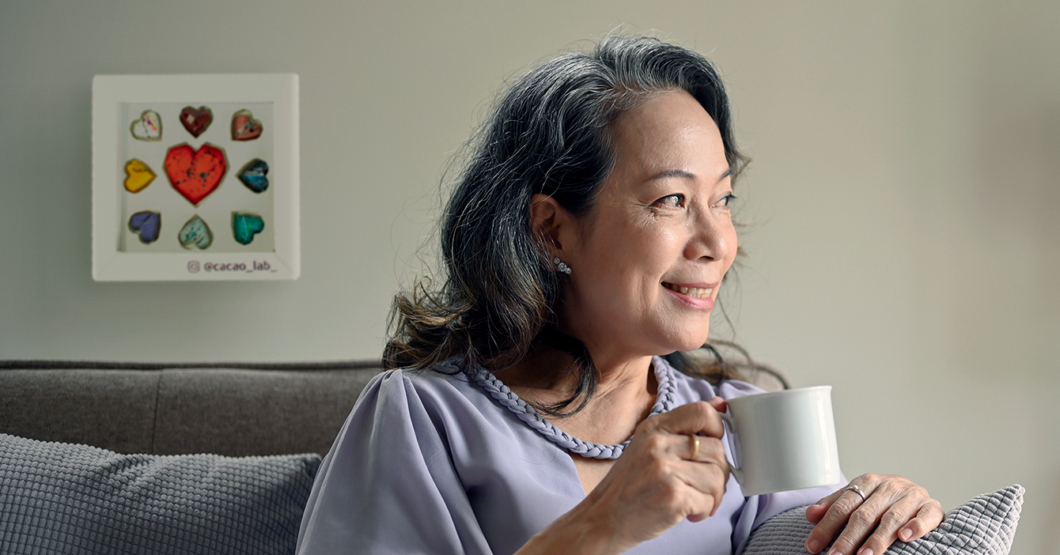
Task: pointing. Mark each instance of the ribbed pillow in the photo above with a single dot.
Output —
(63, 498)
(985, 525)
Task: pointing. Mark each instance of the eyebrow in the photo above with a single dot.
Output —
(684, 174)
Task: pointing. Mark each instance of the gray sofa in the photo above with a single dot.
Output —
(164, 458)
(220, 458)
(232, 409)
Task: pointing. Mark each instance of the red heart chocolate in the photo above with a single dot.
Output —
(196, 120)
(244, 126)
(195, 174)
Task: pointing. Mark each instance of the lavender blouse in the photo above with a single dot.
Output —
(430, 462)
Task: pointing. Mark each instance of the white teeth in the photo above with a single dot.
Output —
(690, 291)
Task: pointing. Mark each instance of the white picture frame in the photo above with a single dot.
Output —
(223, 149)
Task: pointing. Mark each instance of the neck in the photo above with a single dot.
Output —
(549, 375)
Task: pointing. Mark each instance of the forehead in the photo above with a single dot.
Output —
(670, 130)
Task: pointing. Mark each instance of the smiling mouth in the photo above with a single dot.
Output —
(690, 291)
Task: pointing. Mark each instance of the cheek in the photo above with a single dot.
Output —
(732, 240)
(624, 270)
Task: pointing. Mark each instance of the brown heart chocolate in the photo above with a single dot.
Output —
(196, 120)
(195, 174)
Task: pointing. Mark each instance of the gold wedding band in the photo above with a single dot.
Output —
(695, 446)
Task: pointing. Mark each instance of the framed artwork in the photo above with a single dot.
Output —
(195, 177)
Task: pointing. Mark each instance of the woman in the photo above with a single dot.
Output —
(538, 409)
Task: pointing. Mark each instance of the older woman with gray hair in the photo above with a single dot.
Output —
(540, 397)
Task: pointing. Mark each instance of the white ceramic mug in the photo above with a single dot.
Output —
(784, 440)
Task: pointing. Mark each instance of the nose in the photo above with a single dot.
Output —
(712, 236)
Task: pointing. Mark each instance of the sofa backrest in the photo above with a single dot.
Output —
(225, 409)
(233, 409)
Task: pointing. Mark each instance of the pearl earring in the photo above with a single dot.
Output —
(561, 266)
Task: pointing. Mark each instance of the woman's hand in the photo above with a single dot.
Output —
(660, 479)
(893, 508)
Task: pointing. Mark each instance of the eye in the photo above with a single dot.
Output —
(725, 201)
(675, 200)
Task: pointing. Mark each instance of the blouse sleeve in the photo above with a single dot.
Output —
(388, 485)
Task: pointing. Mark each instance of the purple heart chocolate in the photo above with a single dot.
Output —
(147, 225)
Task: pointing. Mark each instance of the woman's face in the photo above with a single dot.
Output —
(649, 257)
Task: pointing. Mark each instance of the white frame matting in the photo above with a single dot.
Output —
(121, 253)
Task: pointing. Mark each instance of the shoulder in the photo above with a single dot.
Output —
(445, 379)
(438, 398)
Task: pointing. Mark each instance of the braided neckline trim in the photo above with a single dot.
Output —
(507, 398)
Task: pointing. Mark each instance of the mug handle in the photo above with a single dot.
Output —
(735, 470)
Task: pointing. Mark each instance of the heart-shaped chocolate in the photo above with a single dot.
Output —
(253, 175)
(195, 174)
(148, 127)
(138, 175)
(196, 120)
(194, 234)
(244, 126)
(147, 225)
(245, 225)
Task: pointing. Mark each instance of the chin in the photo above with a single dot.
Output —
(688, 343)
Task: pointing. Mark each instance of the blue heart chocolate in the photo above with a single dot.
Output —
(147, 225)
(253, 175)
(245, 226)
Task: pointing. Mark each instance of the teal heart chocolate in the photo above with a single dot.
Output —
(194, 234)
(253, 175)
(245, 225)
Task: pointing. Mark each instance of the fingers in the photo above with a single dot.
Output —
(691, 433)
(908, 520)
(657, 475)
(699, 417)
(839, 512)
(710, 450)
(894, 508)
(814, 513)
(690, 461)
(673, 469)
(874, 513)
(708, 480)
(706, 471)
(927, 519)
(692, 448)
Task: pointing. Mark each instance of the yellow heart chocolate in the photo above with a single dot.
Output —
(139, 175)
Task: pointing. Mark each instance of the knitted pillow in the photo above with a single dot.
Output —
(63, 498)
(983, 526)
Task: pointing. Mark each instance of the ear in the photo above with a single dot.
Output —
(548, 221)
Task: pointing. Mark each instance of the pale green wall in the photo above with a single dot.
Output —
(903, 197)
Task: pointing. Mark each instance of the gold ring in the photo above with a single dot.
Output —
(695, 446)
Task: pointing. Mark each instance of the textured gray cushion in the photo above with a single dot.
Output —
(63, 498)
(985, 525)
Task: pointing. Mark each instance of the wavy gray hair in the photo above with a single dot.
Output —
(549, 134)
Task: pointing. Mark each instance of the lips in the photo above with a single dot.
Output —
(696, 292)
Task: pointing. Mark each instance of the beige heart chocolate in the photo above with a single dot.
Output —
(148, 127)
